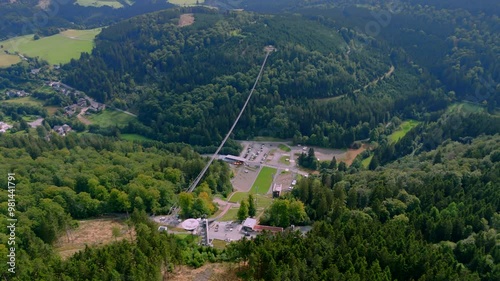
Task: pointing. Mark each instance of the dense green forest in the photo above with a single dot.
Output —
(83, 176)
(23, 17)
(425, 206)
(188, 83)
(434, 216)
(431, 216)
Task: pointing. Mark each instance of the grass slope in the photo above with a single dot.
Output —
(183, 2)
(264, 180)
(109, 118)
(55, 49)
(99, 3)
(8, 60)
(25, 100)
(405, 127)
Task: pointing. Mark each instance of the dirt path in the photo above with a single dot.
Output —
(186, 19)
(82, 118)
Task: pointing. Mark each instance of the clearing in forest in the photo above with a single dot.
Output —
(93, 233)
(186, 19)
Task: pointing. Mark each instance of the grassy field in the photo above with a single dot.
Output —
(25, 100)
(284, 147)
(230, 215)
(99, 3)
(109, 118)
(262, 201)
(283, 160)
(366, 161)
(264, 180)
(405, 127)
(55, 49)
(464, 107)
(185, 2)
(238, 196)
(8, 60)
(134, 137)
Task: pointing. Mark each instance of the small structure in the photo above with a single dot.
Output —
(62, 130)
(273, 229)
(190, 224)
(4, 127)
(16, 94)
(162, 228)
(236, 160)
(35, 71)
(277, 190)
(249, 224)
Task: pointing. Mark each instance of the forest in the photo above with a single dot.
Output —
(424, 206)
(24, 17)
(312, 89)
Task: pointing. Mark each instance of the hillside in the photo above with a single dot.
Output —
(180, 79)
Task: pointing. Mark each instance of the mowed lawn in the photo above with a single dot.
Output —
(110, 118)
(55, 49)
(8, 60)
(230, 215)
(238, 196)
(405, 127)
(264, 180)
(99, 3)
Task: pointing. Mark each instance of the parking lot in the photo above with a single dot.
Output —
(227, 231)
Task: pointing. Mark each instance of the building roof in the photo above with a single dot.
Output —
(277, 187)
(235, 158)
(250, 223)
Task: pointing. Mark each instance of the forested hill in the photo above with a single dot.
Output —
(457, 41)
(188, 83)
(29, 16)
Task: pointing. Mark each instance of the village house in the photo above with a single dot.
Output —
(62, 130)
(4, 127)
(71, 109)
(16, 94)
(35, 71)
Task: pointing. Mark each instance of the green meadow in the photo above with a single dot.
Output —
(55, 49)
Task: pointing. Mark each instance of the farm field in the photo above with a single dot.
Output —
(405, 127)
(55, 49)
(8, 60)
(25, 100)
(99, 3)
(186, 2)
(263, 181)
(109, 118)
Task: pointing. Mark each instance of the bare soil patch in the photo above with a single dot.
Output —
(208, 272)
(95, 232)
(186, 19)
(351, 154)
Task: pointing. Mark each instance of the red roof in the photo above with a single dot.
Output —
(269, 228)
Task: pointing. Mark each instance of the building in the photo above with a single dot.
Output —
(16, 94)
(4, 127)
(249, 224)
(277, 190)
(234, 159)
(62, 130)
